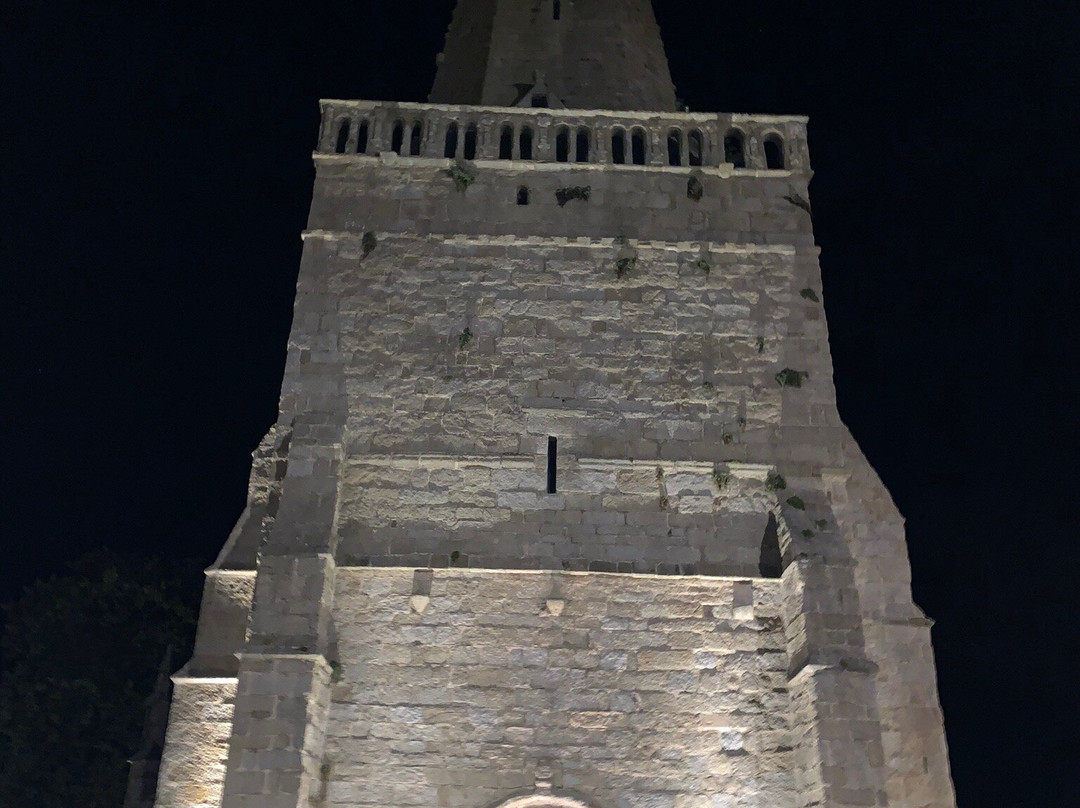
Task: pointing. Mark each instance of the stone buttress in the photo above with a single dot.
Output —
(558, 509)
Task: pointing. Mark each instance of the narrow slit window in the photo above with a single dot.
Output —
(470, 142)
(361, 138)
(415, 138)
(637, 147)
(523, 195)
(556, 10)
(506, 143)
(581, 147)
(342, 137)
(525, 144)
(562, 145)
(397, 138)
(553, 447)
(450, 145)
(618, 146)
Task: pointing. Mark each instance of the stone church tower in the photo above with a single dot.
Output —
(558, 510)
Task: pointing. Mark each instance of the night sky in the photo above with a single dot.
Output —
(156, 178)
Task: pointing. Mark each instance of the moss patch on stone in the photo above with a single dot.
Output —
(564, 195)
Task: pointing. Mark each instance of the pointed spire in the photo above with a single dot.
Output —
(579, 54)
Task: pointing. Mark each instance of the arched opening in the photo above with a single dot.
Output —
(546, 800)
(696, 147)
(523, 195)
(774, 152)
(674, 148)
(637, 146)
(525, 143)
(506, 143)
(470, 142)
(735, 148)
(397, 137)
(562, 144)
(618, 146)
(581, 147)
(342, 137)
(450, 143)
(415, 136)
(361, 138)
(770, 562)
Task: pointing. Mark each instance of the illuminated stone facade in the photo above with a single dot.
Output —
(558, 510)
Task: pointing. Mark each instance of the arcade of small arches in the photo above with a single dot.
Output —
(617, 143)
(576, 146)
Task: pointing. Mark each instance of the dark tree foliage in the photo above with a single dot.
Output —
(80, 653)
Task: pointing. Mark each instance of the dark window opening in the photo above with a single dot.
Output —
(774, 152)
(581, 148)
(523, 195)
(553, 444)
(674, 148)
(562, 145)
(450, 144)
(506, 143)
(556, 10)
(470, 142)
(539, 101)
(734, 149)
(637, 147)
(397, 138)
(361, 138)
(342, 137)
(770, 563)
(525, 144)
(414, 139)
(618, 146)
(695, 147)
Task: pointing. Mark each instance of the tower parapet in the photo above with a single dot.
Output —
(571, 136)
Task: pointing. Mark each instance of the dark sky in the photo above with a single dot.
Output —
(156, 177)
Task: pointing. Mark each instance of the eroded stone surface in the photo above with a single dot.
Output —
(712, 608)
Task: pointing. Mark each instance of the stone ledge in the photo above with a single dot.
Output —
(733, 248)
(721, 171)
(192, 679)
(469, 571)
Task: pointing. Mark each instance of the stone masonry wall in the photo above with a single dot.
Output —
(439, 339)
(630, 691)
(196, 744)
(417, 195)
(666, 518)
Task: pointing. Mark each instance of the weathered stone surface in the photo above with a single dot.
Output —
(558, 502)
(606, 696)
